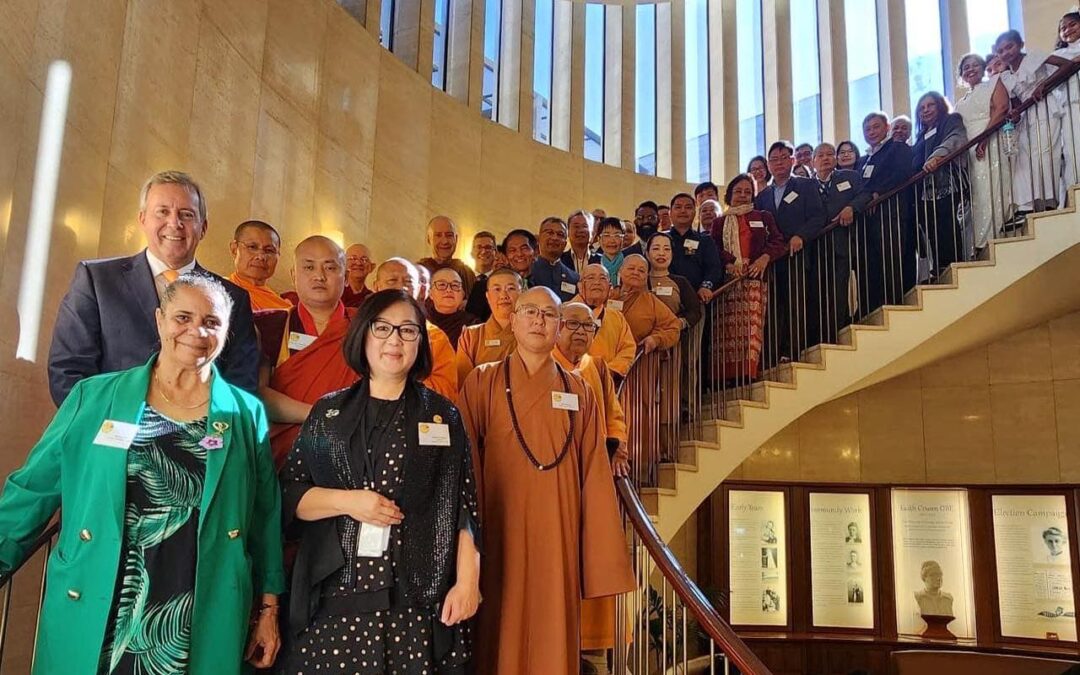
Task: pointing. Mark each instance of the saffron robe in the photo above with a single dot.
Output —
(483, 343)
(614, 342)
(310, 373)
(443, 379)
(552, 537)
(598, 614)
(647, 315)
(262, 297)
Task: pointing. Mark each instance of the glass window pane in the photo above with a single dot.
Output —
(697, 90)
(442, 42)
(805, 72)
(925, 71)
(594, 82)
(751, 80)
(544, 46)
(386, 23)
(987, 19)
(492, 38)
(864, 89)
(645, 90)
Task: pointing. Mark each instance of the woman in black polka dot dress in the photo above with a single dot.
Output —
(379, 490)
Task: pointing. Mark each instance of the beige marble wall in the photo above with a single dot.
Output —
(1002, 413)
(285, 110)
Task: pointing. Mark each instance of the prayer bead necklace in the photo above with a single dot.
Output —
(517, 428)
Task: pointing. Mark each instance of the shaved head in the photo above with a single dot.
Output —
(595, 285)
(634, 273)
(397, 273)
(321, 244)
(536, 334)
(442, 237)
(574, 340)
(451, 298)
(319, 272)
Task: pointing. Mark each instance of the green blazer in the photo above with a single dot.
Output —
(240, 546)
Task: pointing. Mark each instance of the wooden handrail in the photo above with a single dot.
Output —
(706, 615)
(39, 543)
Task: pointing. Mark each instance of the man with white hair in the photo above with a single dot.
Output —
(106, 320)
(442, 237)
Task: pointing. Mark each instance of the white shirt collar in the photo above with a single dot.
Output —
(157, 266)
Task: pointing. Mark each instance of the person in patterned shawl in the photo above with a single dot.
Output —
(171, 539)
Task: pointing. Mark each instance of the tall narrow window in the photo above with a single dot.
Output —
(441, 47)
(864, 87)
(751, 80)
(805, 72)
(645, 90)
(386, 24)
(489, 102)
(697, 90)
(925, 64)
(987, 19)
(543, 69)
(594, 82)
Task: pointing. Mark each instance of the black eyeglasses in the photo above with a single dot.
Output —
(574, 325)
(409, 332)
(446, 286)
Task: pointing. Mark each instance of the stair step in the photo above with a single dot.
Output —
(668, 472)
(815, 354)
(912, 296)
(733, 410)
(846, 335)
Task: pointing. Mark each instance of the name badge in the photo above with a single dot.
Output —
(373, 540)
(929, 134)
(690, 244)
(663, 290)
(434, 434)
(568, 287)
(868, 171)
(790, 197)
(843, 186)
(757, 224)
(492, 343)
(114, 434)
(615, 304)
(561, 401)
(298, 341)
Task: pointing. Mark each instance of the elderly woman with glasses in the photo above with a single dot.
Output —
(380, 490)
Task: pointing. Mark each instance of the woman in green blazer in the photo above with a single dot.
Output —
(169, 556)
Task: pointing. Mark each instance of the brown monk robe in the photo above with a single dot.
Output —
(653, 325)
(571, 352)
(548, 502)
(614, 342)
(358, 264)
(403, 275)
(492, 340)
(255, 249)
(308, 363)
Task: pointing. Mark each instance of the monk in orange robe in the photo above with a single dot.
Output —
(653, 325)
(614, 342)
(571, 352)
(552, 529)
(492, 340)
(255, 248)
(403, 275)
(306, 360)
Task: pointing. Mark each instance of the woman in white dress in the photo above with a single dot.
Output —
(986, 102)
(1068, 48)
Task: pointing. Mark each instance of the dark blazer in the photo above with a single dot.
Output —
(845, 188)
(698, 262)
(803, 216)
(941, 140)
(106, 323)
(767, 239)
(477, 304)
(567, 259)
(891, 167)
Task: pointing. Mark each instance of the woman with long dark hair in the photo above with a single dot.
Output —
(944, 192)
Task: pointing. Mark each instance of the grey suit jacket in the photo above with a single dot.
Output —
(106, 323)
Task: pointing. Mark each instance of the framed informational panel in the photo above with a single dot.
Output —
(1034, 567)
(841, 560)
(757, 557)
(931, 532)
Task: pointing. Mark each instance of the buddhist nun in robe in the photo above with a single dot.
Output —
(548, 505)
(358, 264)
(302, 346)
(255, 249)
(653, 325)
(403, 275)
(445, 306)
(492, 340)
(571, 352)
(614, 342)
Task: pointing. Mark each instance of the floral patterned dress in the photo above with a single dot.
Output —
(149, 628)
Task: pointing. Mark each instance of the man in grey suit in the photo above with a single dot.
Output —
(106, 320)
